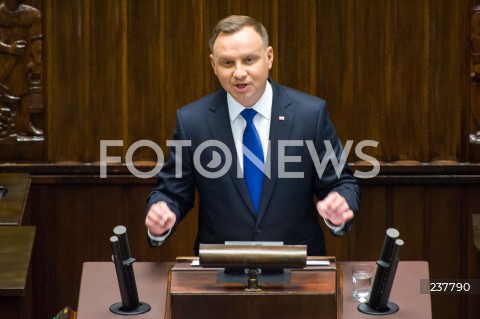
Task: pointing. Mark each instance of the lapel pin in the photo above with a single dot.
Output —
(281, 118)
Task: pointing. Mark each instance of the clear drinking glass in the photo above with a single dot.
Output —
(362, 282)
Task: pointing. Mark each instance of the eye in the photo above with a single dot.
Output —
(249, 60)
(226, 63)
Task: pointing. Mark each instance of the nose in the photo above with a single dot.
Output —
(240, 72)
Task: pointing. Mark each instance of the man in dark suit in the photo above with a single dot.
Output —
(290, 137)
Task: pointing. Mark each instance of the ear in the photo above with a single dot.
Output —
(270, 57)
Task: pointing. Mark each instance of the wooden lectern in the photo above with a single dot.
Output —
(193, 292)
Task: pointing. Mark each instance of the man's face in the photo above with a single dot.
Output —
(241, 63)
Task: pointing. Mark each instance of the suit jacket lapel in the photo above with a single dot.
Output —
(281, 123)
(220, 128)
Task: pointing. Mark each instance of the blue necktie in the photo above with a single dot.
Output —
(252, 158)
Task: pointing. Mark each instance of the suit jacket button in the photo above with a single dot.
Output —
(258, 230)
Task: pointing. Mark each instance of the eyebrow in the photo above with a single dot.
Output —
(248, 55)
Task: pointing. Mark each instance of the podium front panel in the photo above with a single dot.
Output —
(196, 294)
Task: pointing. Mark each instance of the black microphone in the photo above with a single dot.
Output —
(383, 265)
(128, 301)
(121, 233)
(378, 303)
(123, 261)
(387, 287)
(388, 244)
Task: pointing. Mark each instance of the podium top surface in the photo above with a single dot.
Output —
(12, 204)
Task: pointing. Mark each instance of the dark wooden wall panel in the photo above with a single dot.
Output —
(335, 63)
(301, 39)
(407, 81)
(445, 233)
(407, 212)
(370, 82)
(66, 78)
(105, 118)
(43, 266)
(392, 71)
(146, 87)
(371, 224)
(447, 97)
(472, 206)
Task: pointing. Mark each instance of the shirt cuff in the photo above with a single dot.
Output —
(159, 238)
(334, 228)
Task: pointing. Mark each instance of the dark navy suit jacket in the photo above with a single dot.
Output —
(287, 210)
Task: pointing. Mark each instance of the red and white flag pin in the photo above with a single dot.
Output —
(281, 118)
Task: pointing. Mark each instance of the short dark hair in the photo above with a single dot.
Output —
(234, 23)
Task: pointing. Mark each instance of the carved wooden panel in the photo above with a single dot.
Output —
(473, 125)
(21, 82)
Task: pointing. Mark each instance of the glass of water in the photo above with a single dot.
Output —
(362, 282)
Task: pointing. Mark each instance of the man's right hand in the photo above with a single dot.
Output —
(160, 219)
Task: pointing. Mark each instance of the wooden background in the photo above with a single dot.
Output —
(394, 71)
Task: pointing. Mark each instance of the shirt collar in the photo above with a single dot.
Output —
(263, 105)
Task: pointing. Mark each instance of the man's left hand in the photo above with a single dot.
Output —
(335, 209)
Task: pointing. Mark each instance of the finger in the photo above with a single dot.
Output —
(152, 220)
(335, 199)
(159, 218)
(348, 215)
(326, 213)
(170, 222)
(335, 209)
(330, 198)
(322, 209)
(337, 203)
(343, 217)
(164, 206)
(160, 209)
(326, 205)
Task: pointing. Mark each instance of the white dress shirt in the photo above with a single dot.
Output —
(261, 121)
